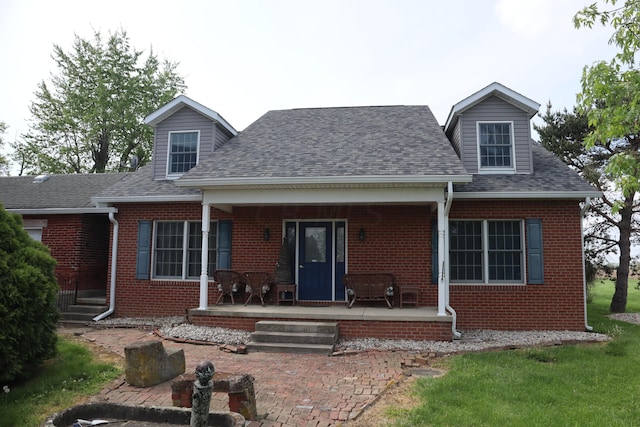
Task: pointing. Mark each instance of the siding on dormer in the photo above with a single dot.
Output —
(185, 119)
(498, 110)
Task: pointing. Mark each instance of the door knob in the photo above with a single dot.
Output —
(301, 266)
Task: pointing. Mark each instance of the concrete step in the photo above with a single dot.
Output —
(100, 300)
(87, 308)
(293, 337)
(290, 348)
(305, 327)
(73, 323)
(85, 317)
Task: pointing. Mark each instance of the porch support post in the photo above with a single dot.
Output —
(442, 250)
(204, 259)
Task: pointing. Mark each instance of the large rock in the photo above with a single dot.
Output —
(147, 363)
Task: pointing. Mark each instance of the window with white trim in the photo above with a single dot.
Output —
(183, 151)
(495, 145)
(486, 251)
(177, 249)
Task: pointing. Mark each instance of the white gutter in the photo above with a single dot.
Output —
(62, 211)
(583, 212)
(114, 262)
(527, 195)
(103, 201)
(445, 266)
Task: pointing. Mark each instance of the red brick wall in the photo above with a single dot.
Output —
(153, 297)
(397, 240)
(79, 243)
(556, 304)
(437, 331)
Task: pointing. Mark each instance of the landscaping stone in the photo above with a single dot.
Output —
(147, 363)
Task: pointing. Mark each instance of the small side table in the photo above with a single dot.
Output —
(405, 290)
(286, 293)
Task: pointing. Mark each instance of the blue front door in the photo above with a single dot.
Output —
(315, 266)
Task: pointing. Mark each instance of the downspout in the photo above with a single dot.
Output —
(114, 259)
(583, 212)
(445, 266)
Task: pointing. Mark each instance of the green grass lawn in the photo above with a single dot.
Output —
(70, 377)
(571, 385)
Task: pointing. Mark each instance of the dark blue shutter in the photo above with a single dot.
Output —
(144, 250)
(434, 252)
(535, 261)
(224, 245)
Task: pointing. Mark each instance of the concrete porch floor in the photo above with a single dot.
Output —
(325, 313)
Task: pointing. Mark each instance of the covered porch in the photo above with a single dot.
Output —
(339, 225)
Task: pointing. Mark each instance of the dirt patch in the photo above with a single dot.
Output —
(396, 397)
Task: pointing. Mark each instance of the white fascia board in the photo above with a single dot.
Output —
(319, 181)
(182, 100)
(527, 195)
(521, 101)
(304, 196)
(63, 211)
(103, 201)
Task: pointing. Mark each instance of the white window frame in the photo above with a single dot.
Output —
(485, 253)
(179, 174)
(185, 249)
(496, 169)
(35, 227)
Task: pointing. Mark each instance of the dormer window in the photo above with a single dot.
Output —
(495, 146)
(183, 152)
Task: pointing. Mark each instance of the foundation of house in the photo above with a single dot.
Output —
(421, 323)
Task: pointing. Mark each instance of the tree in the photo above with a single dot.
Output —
(610, 100)
(28, 291)
(4, 162)
(90, 117)
(609, 227)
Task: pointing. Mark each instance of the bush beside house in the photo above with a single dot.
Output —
(28, 290)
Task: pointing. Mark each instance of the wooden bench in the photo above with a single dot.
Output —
(370, 287)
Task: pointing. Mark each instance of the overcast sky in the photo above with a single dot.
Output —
(243, 58)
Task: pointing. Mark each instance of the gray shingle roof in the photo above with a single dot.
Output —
(59, 191)
(550, 174)
(348, 141)
(140, 184)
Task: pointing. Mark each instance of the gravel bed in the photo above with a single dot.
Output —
(626, 317)
(472, 340)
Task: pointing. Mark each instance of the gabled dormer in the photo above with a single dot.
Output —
(185, 133)
(491, 131)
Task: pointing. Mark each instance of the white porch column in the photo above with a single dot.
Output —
(204, 259)
(442, 291)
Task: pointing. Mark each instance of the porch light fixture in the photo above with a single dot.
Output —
(266, 234)
(361, 235)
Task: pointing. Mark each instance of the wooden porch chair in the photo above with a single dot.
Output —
(229, 282)
(258, 284)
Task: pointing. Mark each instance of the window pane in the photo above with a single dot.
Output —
(505, 251)
(194, 252)
(495, 144)
(340, 244)
(168, 250)
(465, 250)
(315, 244)
(183, 151)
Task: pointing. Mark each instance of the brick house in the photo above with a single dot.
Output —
(57, 210)
(481, 221)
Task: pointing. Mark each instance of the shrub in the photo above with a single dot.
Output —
(28, 289)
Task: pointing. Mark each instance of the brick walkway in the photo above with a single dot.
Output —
(291, 390)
